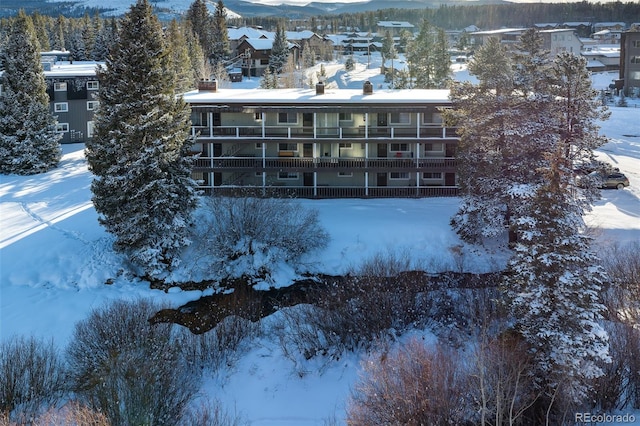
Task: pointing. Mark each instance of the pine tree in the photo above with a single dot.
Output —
(279, 51)
(428, 58)
(202, 25)
(483, 113)
(142, 188)
(221, 48)
(196, 56)
(554, 284)
(180, 63)
(269, 79)
(388, 50)
(58, 42)
(29, 142)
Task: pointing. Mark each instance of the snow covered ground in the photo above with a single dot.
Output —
(55, 261)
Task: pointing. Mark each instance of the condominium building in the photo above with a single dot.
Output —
(323, 143)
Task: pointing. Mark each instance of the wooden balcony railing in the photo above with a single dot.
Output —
(308, 132)
(341, 191)
(211, 163)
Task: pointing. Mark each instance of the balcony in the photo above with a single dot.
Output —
(309, 132)
(303, 163)
(343, 191)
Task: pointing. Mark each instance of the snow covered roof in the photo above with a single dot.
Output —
(500, 31)
(299, 35)
(260, 43)
(302, 97)
(73, 69)
(395, 24)
(248, 32)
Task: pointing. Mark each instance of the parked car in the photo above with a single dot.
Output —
(615, 180)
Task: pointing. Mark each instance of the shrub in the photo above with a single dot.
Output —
(31, 377)
(500, 384)
(210, 413)
(72, 414)
(619, 387)
(128, 369)
(247, 234)
(220, 346)
(414, 385)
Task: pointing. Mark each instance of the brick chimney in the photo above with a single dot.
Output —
(367, 88)
(320, 88)
(208, 85)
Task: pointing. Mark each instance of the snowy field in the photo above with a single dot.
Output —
(55, 260)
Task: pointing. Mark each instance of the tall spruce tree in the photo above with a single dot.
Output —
(221, 48)
(428, 59)
(142, 188)
(279, 50)
(484, 116)
(180, 61)
(202, 25)
(29, 142)
(523, 128)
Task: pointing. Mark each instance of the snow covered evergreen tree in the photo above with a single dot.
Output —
(553, 284)
(428, 58)
(485, 119)
(29, 142)
(180, 62)
(142, 188)
(202, 25)
(279, 51)
(221, 48)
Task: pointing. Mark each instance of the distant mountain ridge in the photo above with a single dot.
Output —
(248, 8)
(244, 8)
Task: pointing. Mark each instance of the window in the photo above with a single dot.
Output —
(61, 107)
(287, 175)
(399, 175)
(257, 116)
(400, 118)
(634, 75)
(92, 105)
(89, 129)
(258, 145)
(432, 175)
(399, 147)
(635, 59)
(92, 85)
(345, 174)
(287, 147)
(439, 147)
(287, 118)
(345, 116)
(62, 127)
(346, 145)
(60, 87)
(635, 43)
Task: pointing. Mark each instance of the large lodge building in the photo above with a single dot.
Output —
(323, 143)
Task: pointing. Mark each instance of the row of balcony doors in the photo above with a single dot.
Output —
(307, 150)
(307, 179)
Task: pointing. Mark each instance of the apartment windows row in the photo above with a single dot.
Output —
(64, 128)
(61, 86)
(64, 106)
(426, 176)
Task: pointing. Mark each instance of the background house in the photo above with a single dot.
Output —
(72, 90)
(630, 62)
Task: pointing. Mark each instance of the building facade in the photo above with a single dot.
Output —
(323, 143)
(72, 90)
(630, 62)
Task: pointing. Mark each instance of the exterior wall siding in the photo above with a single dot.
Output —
(317, 150)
